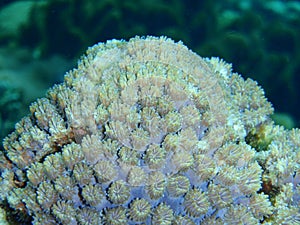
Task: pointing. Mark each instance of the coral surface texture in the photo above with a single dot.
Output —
(148, 132)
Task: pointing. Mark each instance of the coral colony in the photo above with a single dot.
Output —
(148, 132)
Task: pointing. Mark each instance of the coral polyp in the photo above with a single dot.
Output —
(148, 132)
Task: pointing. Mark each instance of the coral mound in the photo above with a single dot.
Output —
(148, 132)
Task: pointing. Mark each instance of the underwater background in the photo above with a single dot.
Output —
(41, 40)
